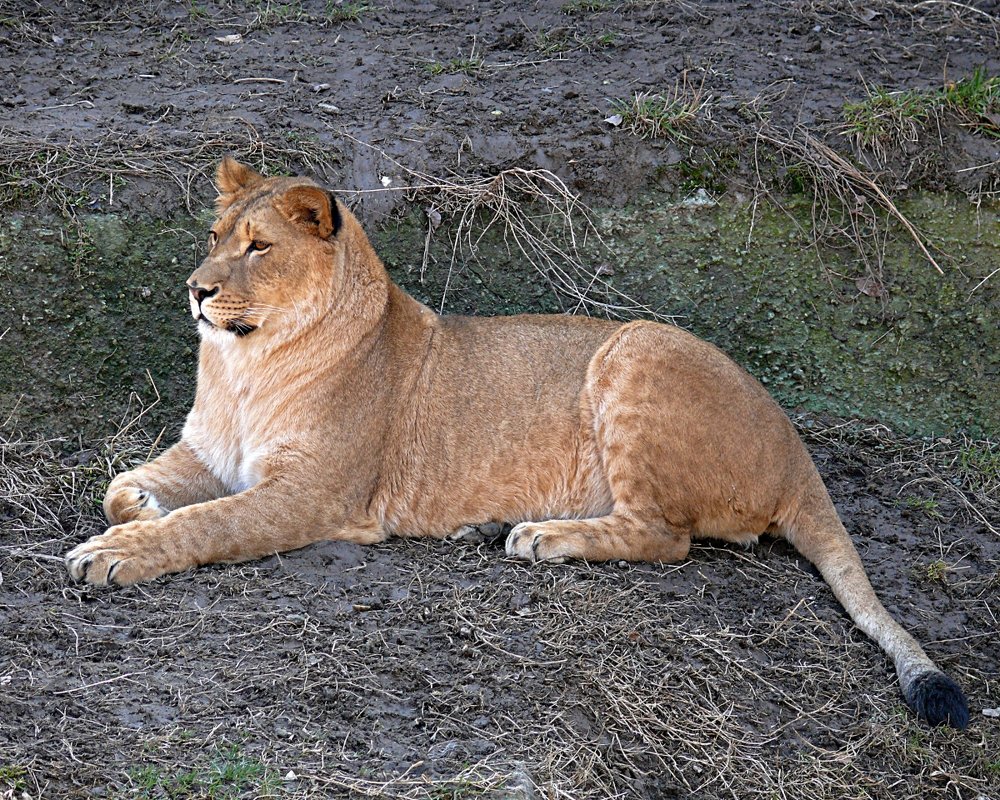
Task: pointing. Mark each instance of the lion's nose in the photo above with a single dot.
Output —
(200, 293)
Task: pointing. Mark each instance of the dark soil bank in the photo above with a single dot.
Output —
(426, 670)
(470, 87)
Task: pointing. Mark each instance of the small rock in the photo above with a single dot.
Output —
(442, 750)
(521, 786)
(700, 199)
(290, 776)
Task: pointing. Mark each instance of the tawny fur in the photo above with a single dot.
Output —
(331, 405)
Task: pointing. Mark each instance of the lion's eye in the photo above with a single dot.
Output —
(212, 239)
(258, 246)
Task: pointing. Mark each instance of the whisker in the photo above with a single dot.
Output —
(259, 307)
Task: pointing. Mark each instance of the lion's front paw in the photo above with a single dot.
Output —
(130, 503)
(537, 541)
(123, 555)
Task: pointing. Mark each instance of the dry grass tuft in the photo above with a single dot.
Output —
(70, 175)
(668, 115)
(887, 120)
(848, 203)
(536, 215)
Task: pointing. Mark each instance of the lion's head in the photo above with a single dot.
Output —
(276, 257)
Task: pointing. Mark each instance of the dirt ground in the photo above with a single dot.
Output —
(426, 670)
(353, 90)
(423, 669)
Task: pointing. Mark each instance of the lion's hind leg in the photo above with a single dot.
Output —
(621, 423)
(616, 536)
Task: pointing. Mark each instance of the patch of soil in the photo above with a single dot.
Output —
(345, 88)
(423, 669)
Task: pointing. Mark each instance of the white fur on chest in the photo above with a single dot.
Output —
(230, 430)
(233, 460)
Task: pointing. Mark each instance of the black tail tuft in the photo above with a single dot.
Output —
(938, 699)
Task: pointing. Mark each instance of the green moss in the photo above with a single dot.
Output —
(97, 313)
(96, 318)
(921, 358)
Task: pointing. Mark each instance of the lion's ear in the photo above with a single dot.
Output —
(232, 176)
(312, 209)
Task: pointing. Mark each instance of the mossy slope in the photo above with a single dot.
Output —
(92, 307)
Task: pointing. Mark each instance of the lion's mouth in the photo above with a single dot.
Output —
(240, 328)
(236, 327)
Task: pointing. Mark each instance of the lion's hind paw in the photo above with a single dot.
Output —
(537, 541)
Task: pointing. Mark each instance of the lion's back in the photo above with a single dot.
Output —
(546, 353)
(497, 421)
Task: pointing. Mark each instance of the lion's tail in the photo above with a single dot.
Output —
(817, 532)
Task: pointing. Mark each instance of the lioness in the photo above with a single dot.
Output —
(331, 405)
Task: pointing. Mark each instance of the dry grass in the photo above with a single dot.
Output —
(535, 215)
(967, 470)
(931, 15)
(419, 670)
(538, 217)
(70, 175)
(849, 204)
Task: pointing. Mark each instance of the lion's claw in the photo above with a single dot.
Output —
(530, 541)
(118, 557)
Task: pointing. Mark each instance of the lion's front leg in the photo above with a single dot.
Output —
(175, 479)
(269, 518)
